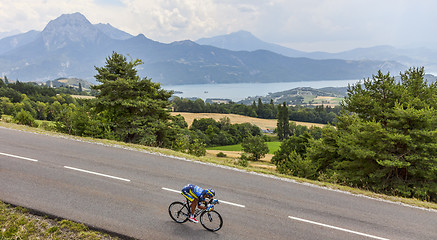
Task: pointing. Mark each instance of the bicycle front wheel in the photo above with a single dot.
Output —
(211, 221)
(179, 212)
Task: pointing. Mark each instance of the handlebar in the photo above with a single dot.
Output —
(214, 201)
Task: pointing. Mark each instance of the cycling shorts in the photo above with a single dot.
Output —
(188, 193)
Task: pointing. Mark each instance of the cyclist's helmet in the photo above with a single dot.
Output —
(210, 192)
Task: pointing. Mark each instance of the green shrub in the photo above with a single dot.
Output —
(47, 125)
(243, 160)
(25, 118)
(197, 148)
(221, 154)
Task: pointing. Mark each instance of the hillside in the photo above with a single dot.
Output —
(329, 96)
(69, 82)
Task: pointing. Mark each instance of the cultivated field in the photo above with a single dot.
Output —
(82, 97)
(327, 101)
(261, 123)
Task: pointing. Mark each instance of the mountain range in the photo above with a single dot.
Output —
(245, 41)
(70, 46)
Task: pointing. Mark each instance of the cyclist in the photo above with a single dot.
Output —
(196, 196)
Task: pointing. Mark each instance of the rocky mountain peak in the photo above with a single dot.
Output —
(112, 32)
(70, 28)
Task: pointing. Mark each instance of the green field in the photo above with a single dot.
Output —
(273, 147)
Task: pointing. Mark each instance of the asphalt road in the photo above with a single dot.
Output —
(128, 192)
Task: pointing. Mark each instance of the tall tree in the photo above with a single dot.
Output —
(134, 107)
(255, 146)
(283, 125)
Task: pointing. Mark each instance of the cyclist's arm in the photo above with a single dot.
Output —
(203, 203)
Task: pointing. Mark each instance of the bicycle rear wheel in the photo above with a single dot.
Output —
(211, 221)
(178, 212)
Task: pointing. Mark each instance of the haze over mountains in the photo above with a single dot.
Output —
(245, 41)
(70, 46)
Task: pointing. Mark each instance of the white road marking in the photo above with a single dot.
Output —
(233, 204)
(220, 201)
(96, 173)
(170, 190)
(337, 228)
(15, 156)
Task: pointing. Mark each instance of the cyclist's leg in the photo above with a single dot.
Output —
(193, 205)
(190, 197)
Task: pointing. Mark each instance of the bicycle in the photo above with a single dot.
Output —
(210, 220)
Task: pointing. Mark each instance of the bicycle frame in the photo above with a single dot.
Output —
(197, 211)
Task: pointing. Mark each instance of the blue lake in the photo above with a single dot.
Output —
(240, 91)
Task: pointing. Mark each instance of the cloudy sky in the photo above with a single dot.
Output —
(309, 25)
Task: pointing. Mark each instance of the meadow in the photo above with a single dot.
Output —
(273, 147)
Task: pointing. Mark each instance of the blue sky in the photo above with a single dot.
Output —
(309, 25)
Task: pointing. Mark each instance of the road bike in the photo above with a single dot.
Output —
(210, 220)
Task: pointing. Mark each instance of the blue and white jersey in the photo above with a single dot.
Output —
(198, 191)
(195, 191)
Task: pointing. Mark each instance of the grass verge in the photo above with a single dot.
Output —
(21, 223)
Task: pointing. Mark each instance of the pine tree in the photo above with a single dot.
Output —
(134, 107)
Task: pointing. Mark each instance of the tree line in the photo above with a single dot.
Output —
(319, 114)
(28, 101)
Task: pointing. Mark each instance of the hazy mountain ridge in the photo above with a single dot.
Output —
(245, 41)
(70, 46)
(113, 32)
(16, 41)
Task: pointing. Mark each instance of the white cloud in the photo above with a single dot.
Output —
(190, 19)
(310, 24)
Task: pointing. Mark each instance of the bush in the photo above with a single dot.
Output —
(25, 118)
(197, 148)
(294, 164)
(221, 154)
(243, 160)
(47, 125)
